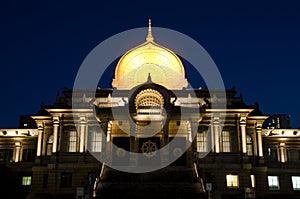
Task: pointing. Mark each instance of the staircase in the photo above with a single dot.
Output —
(171, 182)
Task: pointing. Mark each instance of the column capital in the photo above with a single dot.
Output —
(55, 120)
(258, 127)
(243, 121)
(40, 127)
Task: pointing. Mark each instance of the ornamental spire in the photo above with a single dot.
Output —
(149, 37)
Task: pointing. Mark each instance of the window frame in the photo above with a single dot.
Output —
(26, 180)
(297, 188)
(96, 141)
(72, 141)
(226, 141)
(202, 141)
(271, 180)
(249, 145)
(232, 181)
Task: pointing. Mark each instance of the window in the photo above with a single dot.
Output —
(72, 141)
(232, 181)
(66, 179)
(6, 155)
(202, 141)
(249, 145)
(95, 141)
(49, 145)
(252, 178)
(273, 182)
(28, 155)
(293, 155)
(271, 154)
(226, 141)
(296, 182)
(26, 180)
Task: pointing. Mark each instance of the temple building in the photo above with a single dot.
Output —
(223, 153)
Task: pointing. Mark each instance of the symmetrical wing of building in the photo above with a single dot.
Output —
(55, 153)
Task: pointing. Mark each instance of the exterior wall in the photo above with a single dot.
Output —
(212, 168)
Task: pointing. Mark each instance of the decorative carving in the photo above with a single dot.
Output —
(149, 149)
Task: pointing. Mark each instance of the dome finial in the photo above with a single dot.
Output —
(149, 36)
(149, 79)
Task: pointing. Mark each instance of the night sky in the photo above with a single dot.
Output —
(255, 44)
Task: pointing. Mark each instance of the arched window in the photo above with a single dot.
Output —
(49, 145)
(249, 145)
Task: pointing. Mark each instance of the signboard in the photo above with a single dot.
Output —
(208, 186)
(80, 191)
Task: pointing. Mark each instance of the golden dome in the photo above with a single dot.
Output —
(162, 64)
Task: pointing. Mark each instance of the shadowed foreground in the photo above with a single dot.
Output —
(170, 182)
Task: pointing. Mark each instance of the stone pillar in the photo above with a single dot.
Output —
(166, 152)
(40, 139)
(106, 127)
(282, 152)
(243, 135)
(259, 140)
(17, 157)
(55, 133)
(82, 132)
(216, 130)
(133, 147)
(212, 141)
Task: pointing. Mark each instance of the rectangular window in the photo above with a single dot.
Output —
(273, 182)
(6, 155)
(95, 141)
(72, 141)
(202, 141)
(294, 155)
(49, 145)
(28, 155)
(296, 182)
(66, 179)
(252, 178)
(49, 149)
(26, 180)
(226, 141)
(249, 145)
(232, 181)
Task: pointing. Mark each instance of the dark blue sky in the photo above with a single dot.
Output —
(255, 44)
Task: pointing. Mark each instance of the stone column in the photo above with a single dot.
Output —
(243, 134)
(55, 133)
(133, 148)
(82, 123)
(259, 140)
(282, 152)
(17, 152)
(216, 130)
(166, 152)
(40, 139)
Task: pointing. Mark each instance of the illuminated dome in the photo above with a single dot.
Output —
(163, 65)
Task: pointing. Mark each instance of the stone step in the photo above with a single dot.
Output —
(170, 182)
